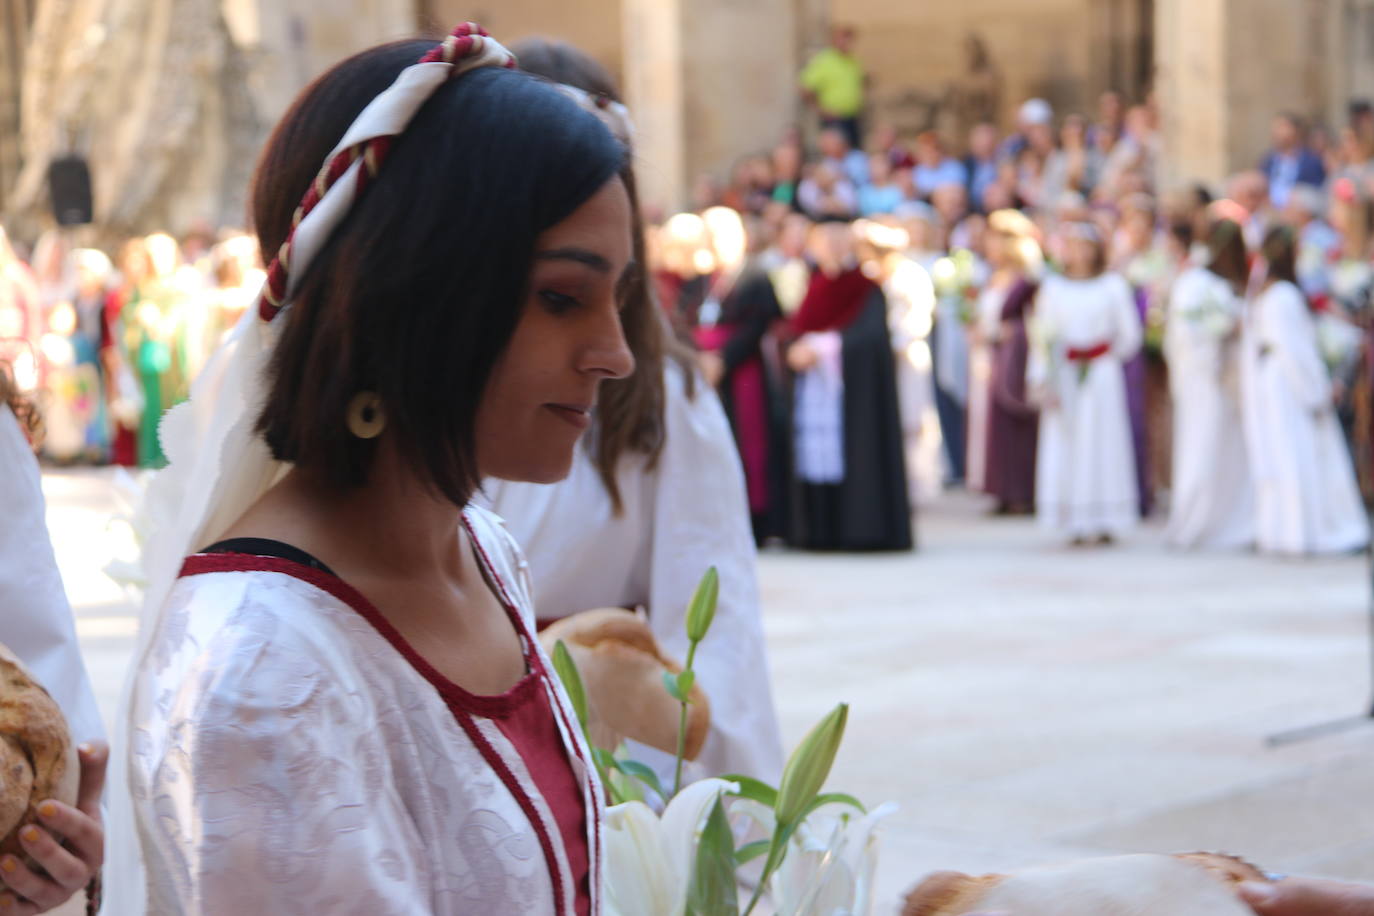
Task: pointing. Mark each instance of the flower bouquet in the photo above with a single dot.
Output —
(718, 846)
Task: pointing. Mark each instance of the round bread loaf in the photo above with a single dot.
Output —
(37, 757)
(622, 670)
(1195, 884)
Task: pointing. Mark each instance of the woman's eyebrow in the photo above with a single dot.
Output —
(579, 255)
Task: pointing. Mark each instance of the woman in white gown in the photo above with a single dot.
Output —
(665, 505)
(1086, 328)
(36, 624)
(1213, 497)
(1306, 496)
(338, 703)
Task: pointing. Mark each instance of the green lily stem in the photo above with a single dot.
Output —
(682, 724)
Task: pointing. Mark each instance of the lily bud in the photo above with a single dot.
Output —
(809, 766)
(702, 610)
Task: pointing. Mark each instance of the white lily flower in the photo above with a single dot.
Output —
(649, 859)
(830, 863)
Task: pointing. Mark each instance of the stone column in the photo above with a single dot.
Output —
(1226, 67)
(708, 81)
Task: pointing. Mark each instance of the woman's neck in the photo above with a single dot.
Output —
(393, 526)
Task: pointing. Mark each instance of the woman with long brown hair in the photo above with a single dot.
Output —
(1305, 492)
(1213, 495)
(656, 496)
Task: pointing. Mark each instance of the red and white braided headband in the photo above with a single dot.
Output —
(358, 157)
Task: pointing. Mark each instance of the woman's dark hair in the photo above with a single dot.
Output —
(629, 411)
(418, 290)
(1280, 252)
(1226, 254)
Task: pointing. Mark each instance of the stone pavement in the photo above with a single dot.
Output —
(1025, 702)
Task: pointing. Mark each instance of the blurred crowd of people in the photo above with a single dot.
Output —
(104, 346)
(1025, 314)
(1060, 332)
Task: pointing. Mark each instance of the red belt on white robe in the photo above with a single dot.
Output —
(1088, 354)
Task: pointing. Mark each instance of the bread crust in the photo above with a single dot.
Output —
(950, 893)
(37, 758)
(622, 668)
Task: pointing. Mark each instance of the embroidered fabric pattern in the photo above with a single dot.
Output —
(370, 797)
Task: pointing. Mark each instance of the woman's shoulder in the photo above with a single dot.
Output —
(242, 631)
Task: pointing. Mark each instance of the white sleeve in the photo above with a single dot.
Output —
(271, 792)
(701, 519)
(1291, 332)
(1129, 334)
(1041, 334)
(35, 618)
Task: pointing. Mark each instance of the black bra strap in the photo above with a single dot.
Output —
(266, 547)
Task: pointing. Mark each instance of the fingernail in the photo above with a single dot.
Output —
(1252, 892)
(9, 864)
(47, 809)
(84, 748)
(29, 834)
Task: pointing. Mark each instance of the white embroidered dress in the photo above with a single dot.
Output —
(1085, 477)
(1213, 499)
(288, 757)
(1305, 490)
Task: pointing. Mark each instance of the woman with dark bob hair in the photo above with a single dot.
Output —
(339, 704)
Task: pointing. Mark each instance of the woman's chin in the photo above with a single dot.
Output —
(553, 470)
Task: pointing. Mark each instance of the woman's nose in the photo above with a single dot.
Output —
(611, 356)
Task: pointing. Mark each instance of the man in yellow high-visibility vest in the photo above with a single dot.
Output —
(834, 82)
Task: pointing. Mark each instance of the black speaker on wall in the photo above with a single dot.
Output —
(69, 183)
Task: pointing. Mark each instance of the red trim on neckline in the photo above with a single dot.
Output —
(487, 706)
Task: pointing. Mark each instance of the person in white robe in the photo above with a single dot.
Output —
(679, 515)
(675, 512)
(1086, 327)
(1213, 502)
(36, 625)
(1306, 496)
(910, 295)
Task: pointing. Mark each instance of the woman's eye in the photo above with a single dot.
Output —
(557, 302)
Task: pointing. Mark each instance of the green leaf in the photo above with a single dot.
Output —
(625, 787)
(567, 671)
(834, 798)
(702, 610)
(713, 891)
(685, 680)
(754, 790)
(604, 761)
(809, 767)
(644, 774)
(751, 851)
(670, 682)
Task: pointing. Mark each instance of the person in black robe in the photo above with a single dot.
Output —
(848, 459)
(739, 310)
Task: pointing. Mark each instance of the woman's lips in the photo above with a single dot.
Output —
(578, 417)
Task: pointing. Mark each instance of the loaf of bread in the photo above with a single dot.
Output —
(37, 758)
(1195, 884)
(622, 667)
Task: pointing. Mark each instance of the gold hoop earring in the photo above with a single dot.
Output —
(366, 419)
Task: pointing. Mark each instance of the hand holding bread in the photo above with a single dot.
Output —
(622, 668)
(51, 840)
